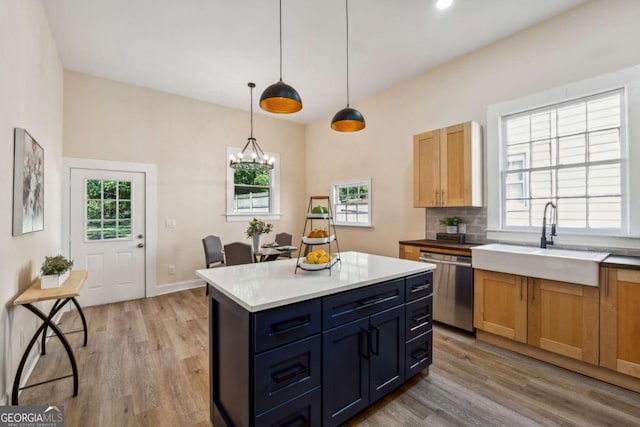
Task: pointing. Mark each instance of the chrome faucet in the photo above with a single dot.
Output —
(543, 240)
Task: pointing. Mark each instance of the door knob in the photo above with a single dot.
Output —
(141, 245)
(140, 236)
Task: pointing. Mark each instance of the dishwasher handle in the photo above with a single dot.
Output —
(440, 261)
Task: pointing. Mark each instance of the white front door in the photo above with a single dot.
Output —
(107, 232)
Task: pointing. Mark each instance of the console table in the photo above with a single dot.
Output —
(69, 290)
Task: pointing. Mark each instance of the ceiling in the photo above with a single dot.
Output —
(210, 49)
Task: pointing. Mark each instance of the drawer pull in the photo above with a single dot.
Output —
(364, 347)
(298, 421)
(287, 325)
(421, 325)
(371, 301)
(289, 373)
(420, 317)
(420, 354)
(377, 336)
(420, 288)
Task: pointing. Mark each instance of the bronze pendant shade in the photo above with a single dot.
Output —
(348, 119)
(280, 98)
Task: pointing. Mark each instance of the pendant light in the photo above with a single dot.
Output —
(280, 98)
(251, 158)
(348, 119)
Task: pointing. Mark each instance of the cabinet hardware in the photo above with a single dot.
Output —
(371, 301)
(377, 336)
(419, 288)
(520, 288)
(435, 201)
(364, 335)
(442, 198)
(606, 282)
(420, 354)
(287, 325)
(289, 373)
(533, 290)
(420, 317)
(299, 421)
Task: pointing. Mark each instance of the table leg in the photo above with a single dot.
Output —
(84, 321)
(46, 323)
(43, 345)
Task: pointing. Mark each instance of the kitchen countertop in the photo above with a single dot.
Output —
(615, 261)
(261, 286)
(439, 244)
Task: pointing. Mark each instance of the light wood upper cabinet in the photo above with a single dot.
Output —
(563, 319)
(447, 166)
(555, 316)
(500, 304)
(409, 252)
(620, 320)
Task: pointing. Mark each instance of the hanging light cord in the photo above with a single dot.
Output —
(347, 17)
(280, 40)
(251, 85)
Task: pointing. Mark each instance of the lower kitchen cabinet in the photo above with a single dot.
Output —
(500, 304)
(563, 319)
(410, 252)
(620, 321)
(555, 316)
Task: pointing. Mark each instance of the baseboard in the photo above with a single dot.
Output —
(169, 288)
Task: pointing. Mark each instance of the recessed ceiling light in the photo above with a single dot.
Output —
(443, 4)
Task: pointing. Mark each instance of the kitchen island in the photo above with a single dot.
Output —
(314, 348)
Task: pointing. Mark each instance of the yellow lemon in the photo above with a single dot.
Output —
(323, 259)
(312, 258)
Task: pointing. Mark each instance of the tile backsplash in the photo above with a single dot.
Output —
(474, 218)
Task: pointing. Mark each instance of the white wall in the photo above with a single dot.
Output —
(31, 86)
(595, 38)
(186, 139)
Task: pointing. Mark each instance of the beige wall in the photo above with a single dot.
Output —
(31, 88)
(187, 140)
(598, 37)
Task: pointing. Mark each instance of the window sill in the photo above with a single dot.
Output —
(567, 239)
(347, 225)
(242, 217)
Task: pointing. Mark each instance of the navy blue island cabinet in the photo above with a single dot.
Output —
(317, 362)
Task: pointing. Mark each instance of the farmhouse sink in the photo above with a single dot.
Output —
(563, 265)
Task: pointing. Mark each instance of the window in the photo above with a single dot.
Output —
(107, 210)
(253, 193)
(569, 153)
(352, 203)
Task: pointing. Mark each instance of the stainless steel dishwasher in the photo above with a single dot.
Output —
(452, 289)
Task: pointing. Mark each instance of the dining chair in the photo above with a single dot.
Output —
(238, 253)
(212, 253)
(284, 239)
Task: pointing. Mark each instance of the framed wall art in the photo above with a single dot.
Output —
(28, 184)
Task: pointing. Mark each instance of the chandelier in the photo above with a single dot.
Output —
(251, 158)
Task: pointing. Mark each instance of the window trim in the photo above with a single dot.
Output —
(629, 80)
(353, 183)
(274, 208)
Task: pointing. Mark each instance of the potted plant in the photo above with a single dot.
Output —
(55, 270)
(452, 222)
(256, 228)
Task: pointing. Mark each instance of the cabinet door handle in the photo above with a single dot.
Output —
(435, 200)
(377, 345)
(364, 347)
(420, 317)
(288, 373)
(606, 282)
(299, 421)
(419, 288)
(370, 301)
(533, 290)
(521, 288)
(420, 354)
(287, 325)
(442, 198)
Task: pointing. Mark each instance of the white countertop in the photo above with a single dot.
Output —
(265, 285)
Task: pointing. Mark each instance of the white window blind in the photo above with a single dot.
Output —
(569, 153)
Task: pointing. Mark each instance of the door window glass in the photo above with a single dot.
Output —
(107, 210)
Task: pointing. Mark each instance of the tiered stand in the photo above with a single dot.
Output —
(308, 242)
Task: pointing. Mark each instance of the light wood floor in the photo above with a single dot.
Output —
(146, 364)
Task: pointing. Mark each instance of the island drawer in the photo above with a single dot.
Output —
(352, 305)
(418, 354)
(301, 411)
(283, 373)
(419, 286)
(418, 317)
(286, 324)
